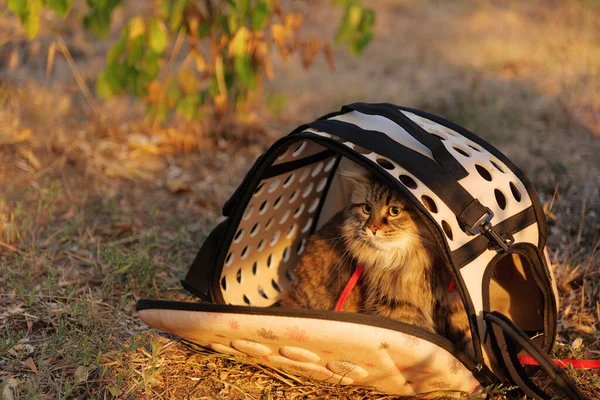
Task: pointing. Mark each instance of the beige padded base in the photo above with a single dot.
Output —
(333, 351)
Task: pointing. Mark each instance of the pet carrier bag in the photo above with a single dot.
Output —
(484, 215)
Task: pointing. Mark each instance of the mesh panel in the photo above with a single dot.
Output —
(273, 230)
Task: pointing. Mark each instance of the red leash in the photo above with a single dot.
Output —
(349, 286)
(580, 364)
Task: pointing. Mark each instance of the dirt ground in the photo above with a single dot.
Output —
(99, 209)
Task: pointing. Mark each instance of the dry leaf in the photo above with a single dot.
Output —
(177, 186)
(30, 364)
(577, 343)
(308, 52)
(10, 386)
(81, 374)
(29, 325)
(31, 158)
(155, 91)
(329, 56)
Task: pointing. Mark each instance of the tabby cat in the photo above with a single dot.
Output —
(404, 278)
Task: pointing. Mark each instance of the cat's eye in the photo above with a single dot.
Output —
(394, 211)
(366, 208)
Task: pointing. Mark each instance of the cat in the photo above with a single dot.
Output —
(404, 277)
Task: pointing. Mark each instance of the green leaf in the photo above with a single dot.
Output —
(241, 6)
(177, 11)
(159, 36)
(18, 7)
(60, 7)
(117, 49)
(232, 24)
(31, 18)
(98, 22)
(204, 29)
(259, 15)
(103, 87)
(242, 65)
(135, 51)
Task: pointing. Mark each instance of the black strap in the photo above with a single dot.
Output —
(467, 209)
(433, 143)
(199, 277)
(503, 330)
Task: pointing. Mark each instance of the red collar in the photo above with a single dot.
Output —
(351, 283)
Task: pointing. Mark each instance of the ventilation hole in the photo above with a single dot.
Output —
(248, 212)
(238, 236)
(289, 276)
(321, 184)
(385, 164)
(255, 268)
(286, 254)
(261, 245)
(485, 174)
(300, 246)
(408, 181)
(308, 190)
(429, 204)
(259, 189)
(474, 146)
(275, 238)
(362, 150)
(497, 166)
(330, 165)
(447, 229)
(304, 175)
(223, 283)
(307, 225)
(462, 151)
(269, 259)
(439, 134)
(293, 196)
(337, 138)
(449, 131)
(313, 205)
(284, 217)
(263, 207)
(292, 231)
(276, 286)
(500, 199)
(515, 192)
(244, 253)
(269, 224)
(254, 229)
(299, 149)
(246, 300)
(229, 259)
(274, 185)
(461, 225)
(262, 293)
(288, 181)
(277, 203)
(317, 169)
(238, 276)
(299, 211)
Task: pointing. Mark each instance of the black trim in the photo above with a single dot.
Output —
(356, 318)
(535, 200)
(432, 142)
(283, 168)
(474, 248)
(514, 337)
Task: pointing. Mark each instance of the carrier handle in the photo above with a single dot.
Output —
(433, 143)
(503, 331)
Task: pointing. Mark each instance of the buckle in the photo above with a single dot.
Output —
(484, 226)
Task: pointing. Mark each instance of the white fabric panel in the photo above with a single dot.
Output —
(337, 352)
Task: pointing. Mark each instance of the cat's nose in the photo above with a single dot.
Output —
(373, 229)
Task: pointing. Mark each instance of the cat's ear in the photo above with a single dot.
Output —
(355, 173)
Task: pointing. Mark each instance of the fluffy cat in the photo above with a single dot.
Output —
(404, 279)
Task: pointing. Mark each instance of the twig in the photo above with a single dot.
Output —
(62, 47)
(11, 248)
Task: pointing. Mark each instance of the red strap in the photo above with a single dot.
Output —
(528, 360)
(351, 283)
(451, 286)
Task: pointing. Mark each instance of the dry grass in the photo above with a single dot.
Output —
(92, 219)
